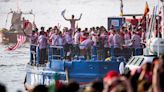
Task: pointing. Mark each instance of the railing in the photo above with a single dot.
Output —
(93, 53)
(33, 54)
(56, 52)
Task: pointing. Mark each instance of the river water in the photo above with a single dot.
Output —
(12, 67)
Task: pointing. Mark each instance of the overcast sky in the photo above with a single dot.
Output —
(95, 12)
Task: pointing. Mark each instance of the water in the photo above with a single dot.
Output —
(48, 13)
(12, 67)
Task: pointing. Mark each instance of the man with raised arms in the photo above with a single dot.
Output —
(72, 20)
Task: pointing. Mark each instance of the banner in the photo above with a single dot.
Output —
(20, 40)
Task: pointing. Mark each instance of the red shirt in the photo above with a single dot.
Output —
(134, 22)
(25, 24)
(82, 38)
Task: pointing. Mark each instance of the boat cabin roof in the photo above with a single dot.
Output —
(125, 15)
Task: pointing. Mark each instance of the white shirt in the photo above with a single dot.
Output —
(68, 38)
(127, 39)
(42, 41)
(86, 43)
(60, 41)
(77, 38)
(110, 40)
(136, 39)
(117, 41)
(55, 39)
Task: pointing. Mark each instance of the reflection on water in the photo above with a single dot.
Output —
(12, 67)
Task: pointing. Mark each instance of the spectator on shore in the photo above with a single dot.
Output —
(2, 88)
(40, 88)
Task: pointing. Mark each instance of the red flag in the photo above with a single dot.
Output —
(20, 40)
(146, 11)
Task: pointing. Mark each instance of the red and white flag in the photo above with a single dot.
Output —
(20, 40)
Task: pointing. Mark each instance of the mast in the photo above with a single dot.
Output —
(17, 4)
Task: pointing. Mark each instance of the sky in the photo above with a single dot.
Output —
(95, 12)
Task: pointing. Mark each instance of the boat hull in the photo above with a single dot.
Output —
(81, 71)
(7, 36)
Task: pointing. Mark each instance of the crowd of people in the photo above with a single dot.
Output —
(148, 78)
(80, 41)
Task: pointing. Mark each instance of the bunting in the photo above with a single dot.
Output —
(20, 40)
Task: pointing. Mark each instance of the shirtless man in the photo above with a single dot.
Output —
(72, 21)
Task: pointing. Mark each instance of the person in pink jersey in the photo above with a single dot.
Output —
(77, 36)
(68, 47)
(94, 36)
(130, 31)
(117, 40)
(85, 47)
(54, 37)
(60, 39)
(122, 33)
(136, 40)
(127, 39)
(33, 44)
(77, 42)
(102, 45)
(42, 42)
(110, 38)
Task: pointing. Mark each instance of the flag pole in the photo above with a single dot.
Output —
(121, 8)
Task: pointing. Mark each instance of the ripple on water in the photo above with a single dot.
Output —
(12, 67)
